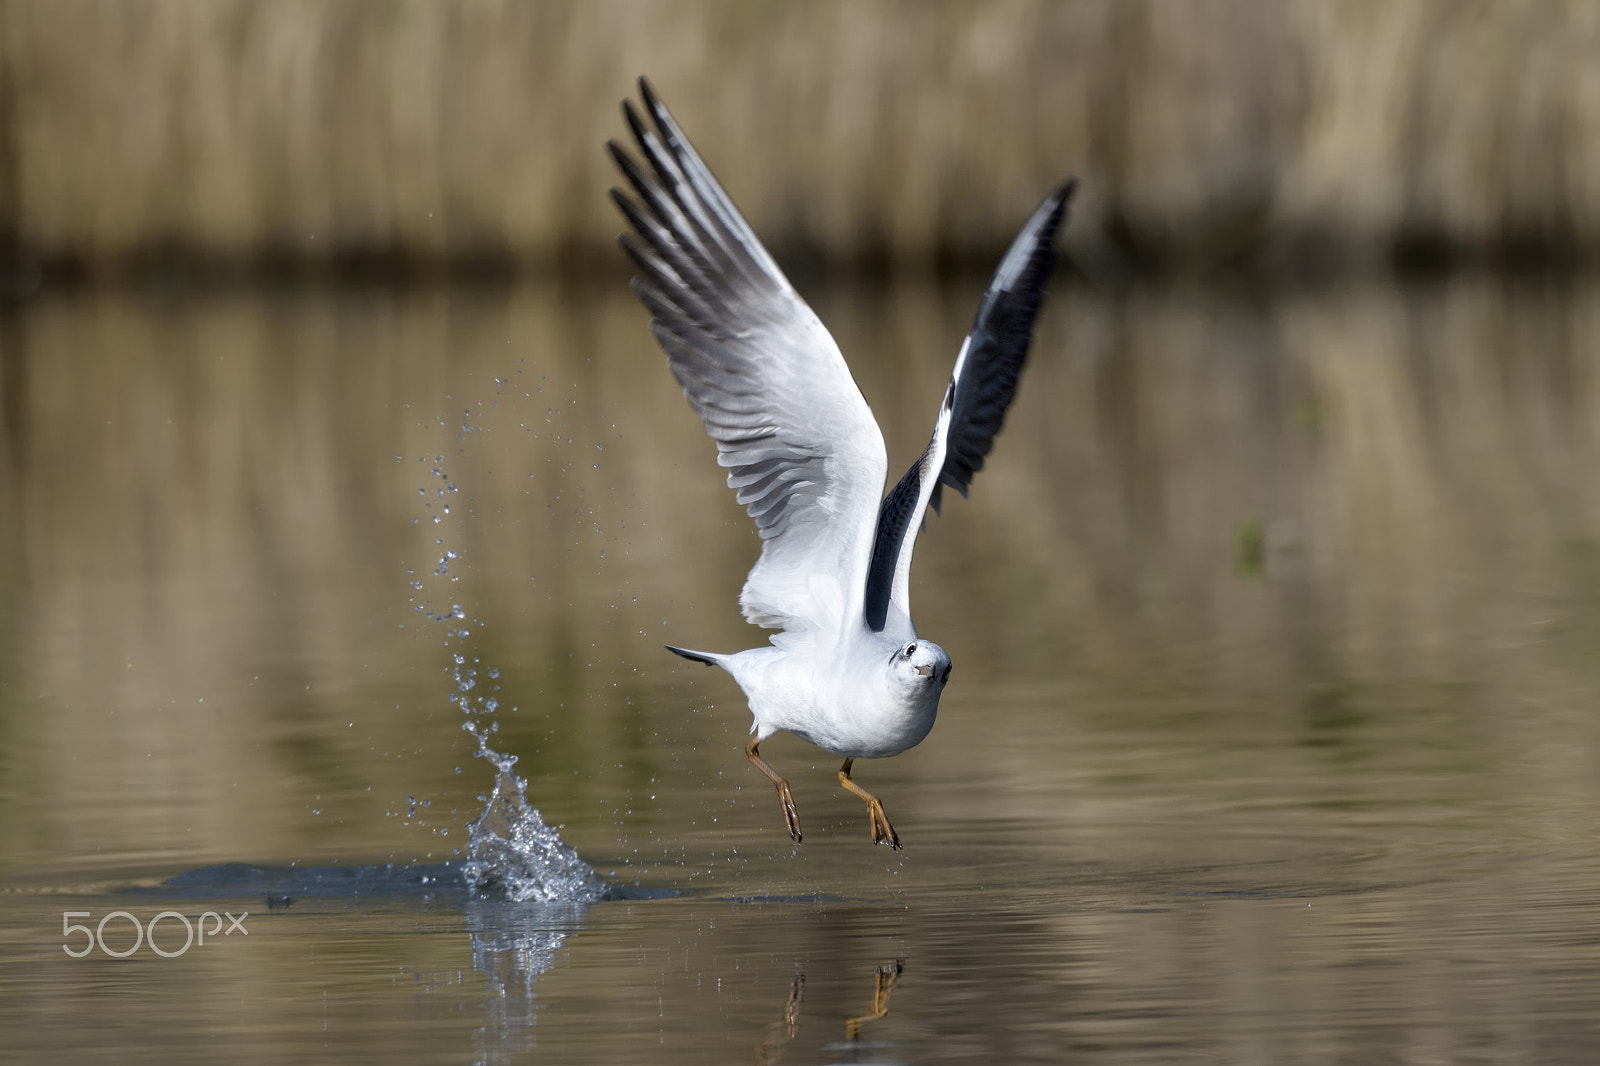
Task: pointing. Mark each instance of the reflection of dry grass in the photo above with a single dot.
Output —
(303, 129)
(212, 506)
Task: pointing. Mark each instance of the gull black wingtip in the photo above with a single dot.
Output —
(636, 124)
(1055, 207)
(1053, 212)
(1059, 200)
(1063, 198)
(652, 102)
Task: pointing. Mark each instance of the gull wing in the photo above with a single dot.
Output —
(799, 443)
(974, 408)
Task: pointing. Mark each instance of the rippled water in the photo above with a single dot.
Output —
(1273, 733)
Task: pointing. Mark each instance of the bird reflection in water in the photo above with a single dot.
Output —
(880, 1000)
(782, 1031)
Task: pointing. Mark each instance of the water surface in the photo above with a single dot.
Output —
(1272, 734)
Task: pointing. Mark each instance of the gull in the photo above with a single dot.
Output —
(847, 672)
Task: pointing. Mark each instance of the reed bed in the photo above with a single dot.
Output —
(430, 133)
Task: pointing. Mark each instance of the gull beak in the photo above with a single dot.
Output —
(925, 671)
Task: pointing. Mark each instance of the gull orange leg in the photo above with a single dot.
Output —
(882, 831)
(791, 817)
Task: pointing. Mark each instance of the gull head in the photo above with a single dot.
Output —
(920, 667)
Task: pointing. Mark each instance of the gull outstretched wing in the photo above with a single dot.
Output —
(974, 408)
(800, 445)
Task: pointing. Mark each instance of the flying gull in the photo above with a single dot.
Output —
(804, 455)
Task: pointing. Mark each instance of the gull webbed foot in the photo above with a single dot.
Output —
(882, 831)
(791, 817)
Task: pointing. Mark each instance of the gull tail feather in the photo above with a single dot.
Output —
(710, 658)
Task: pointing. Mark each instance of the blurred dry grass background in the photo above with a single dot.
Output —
(448, 134)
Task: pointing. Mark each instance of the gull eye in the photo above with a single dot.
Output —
(911, 649)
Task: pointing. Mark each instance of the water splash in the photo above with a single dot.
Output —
(510, 852)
